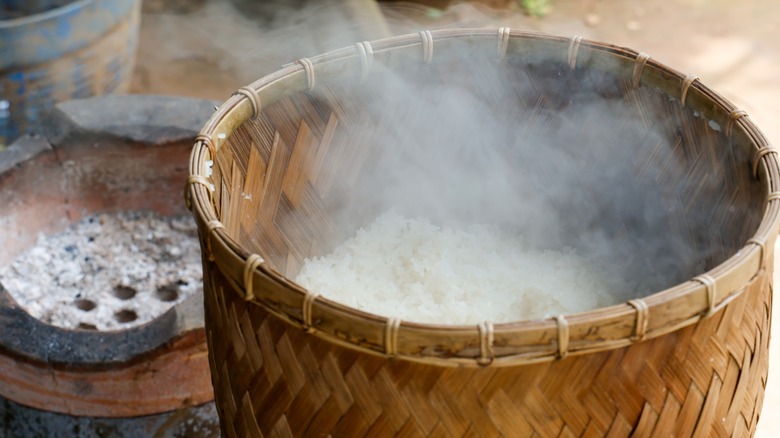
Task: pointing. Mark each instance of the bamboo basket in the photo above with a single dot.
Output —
(690, 360)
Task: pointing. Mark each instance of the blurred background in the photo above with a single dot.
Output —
(53, 50)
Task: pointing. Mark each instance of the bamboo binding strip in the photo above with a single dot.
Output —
(366, 53)
(574, 48)
(639, 67)
(686, 85)
(503, 41)
(253, 97)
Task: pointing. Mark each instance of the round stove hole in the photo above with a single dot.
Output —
(86, 326)
(124, 292)
(167, 293)
(125, 315)
(85, 305)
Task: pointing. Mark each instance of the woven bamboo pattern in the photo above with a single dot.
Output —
(273, 379)
(273, 167)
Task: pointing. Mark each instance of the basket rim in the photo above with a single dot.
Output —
(502, 344)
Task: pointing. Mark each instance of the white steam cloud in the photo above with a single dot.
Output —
(561, 157)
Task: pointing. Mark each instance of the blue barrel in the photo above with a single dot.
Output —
(18, 8)
(81, 49)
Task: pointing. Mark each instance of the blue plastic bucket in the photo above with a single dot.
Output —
(18, 8)
(82, 49)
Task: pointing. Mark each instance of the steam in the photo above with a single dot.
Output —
(264, 35)
(562, 158)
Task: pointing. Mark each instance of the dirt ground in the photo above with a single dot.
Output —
(209, 49)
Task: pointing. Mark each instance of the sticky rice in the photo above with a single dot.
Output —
(412, 269)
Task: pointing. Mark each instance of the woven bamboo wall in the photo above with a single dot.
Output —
(273, 379)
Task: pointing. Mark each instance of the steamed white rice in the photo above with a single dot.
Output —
(417, 271)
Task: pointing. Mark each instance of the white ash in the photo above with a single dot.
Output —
(108, 271)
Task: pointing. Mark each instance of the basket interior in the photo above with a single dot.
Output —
(651, 189)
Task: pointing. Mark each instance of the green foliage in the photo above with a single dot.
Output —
(536, 8)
